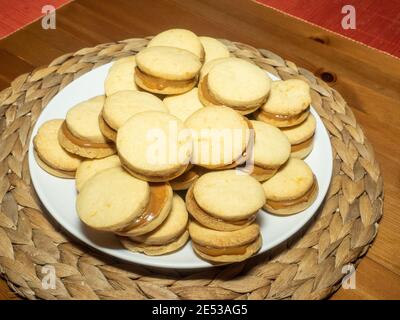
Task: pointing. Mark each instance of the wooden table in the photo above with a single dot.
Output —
(368, 79)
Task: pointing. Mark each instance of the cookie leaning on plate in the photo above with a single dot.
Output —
(225, 246)
(271, 150)
(213, 49)
(225, 200)
(170, 236)
(235, 83)
(292, 189)
(121, 76)
(288, 103)
(80, 133)
(122, 105)
(166, 70)
(179, 38)
(48, 153)
(112, 199)
(301, 137)
(154, 146)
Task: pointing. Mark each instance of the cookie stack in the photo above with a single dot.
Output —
(224, 206)
(288, 108)
(183, 115)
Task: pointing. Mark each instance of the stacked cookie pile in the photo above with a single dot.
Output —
(183, 115)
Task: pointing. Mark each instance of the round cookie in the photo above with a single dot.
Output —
(155, 213)
(271, 150)
(121, 76)
(122, 105)
(170, 236)
(209, 65)
(183, 105)
(154, 146)
(229, 195)
(236, 83)
(90, 167)
(225, 246)
(288, 103)
(220, 136)
(292, 189)
(179, 38)
(112, 199)
(184, 181)
(166, 70)
(301, 137)
(213, 49)
(49, 154)
(80, 133)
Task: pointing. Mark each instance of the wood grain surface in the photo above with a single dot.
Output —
(368, 79)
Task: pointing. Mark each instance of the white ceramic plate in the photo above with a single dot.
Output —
(59, 195)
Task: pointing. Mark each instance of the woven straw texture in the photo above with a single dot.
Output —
(307, 266)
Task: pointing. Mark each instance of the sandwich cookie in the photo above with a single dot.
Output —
(80, 133)
(288, 103)
(121, 76)
(112, 199)
(292, 189)
(213, 49)
(154, 214)
(183, 105)
(271, 150)
(49, 154)
(179, 38)
(154, 146)
(170, 236)
(89, 167)
(225, 246)
(225, 200)
(166, 70)
(122, 105)
(220, 137)
(301, 137)
(235, 83)
(210, 64)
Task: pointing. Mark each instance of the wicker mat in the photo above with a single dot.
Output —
(307, 266)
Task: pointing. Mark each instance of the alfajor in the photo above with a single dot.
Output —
(166, 70)
(213, 49)
(288, 103)
(271, 149)
(185, 180)
(122, 105)
(156, 211)
(179, 38)
(90, 167)
(225, 200)
(112, 199)
(225, 246)
(183, 105)
(220, 137)
(121, 76)
(49, 154)
(170, 236)
(235, 83)
(292, 189)
(154, 146)
(301, 137)
(80, 133)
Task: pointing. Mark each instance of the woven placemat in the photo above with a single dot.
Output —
(307, 266)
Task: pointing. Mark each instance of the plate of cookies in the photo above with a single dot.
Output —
(181, 156)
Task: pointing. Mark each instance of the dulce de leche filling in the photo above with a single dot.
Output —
(80, 142)
(284, 117)
(302, 145)
(157, 201)
(239, 250)
(158, 83)
(258, 170)
(288, 203)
